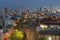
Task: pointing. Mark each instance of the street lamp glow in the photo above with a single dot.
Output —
(49, 38)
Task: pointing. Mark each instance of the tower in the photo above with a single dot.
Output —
(51, 8)
(6, 12)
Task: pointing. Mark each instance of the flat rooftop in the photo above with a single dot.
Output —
(50, 32)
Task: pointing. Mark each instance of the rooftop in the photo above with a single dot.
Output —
(50, 32)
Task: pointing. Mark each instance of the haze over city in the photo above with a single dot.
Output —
(29, 3)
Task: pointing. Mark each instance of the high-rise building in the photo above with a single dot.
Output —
(18, 12)
(2, 12)
(6, 12)
(40, 10)
(45, 10)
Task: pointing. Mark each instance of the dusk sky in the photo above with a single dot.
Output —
(28, 3)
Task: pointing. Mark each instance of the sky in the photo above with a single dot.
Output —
(29, 3)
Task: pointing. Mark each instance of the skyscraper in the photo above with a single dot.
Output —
(6, 12)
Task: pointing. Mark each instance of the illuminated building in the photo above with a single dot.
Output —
(50, 30)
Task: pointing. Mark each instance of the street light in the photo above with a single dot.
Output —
(49, 38)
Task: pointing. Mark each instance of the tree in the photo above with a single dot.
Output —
(43, 39)
(18, 35)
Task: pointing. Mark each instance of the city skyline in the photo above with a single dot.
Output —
(29, 3)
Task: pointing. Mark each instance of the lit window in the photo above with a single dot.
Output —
(44, 27)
